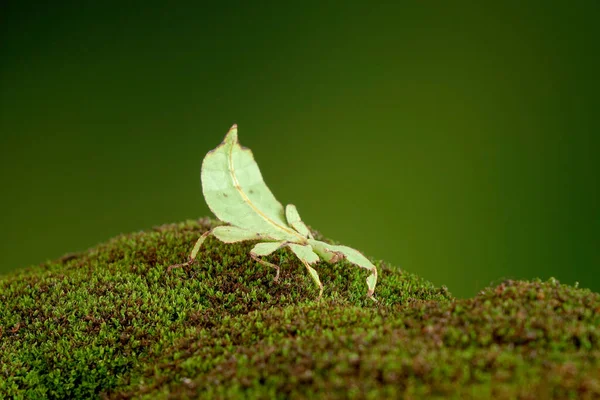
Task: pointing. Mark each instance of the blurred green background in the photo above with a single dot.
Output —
(458, 141)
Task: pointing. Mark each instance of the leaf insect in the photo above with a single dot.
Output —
(236, 193)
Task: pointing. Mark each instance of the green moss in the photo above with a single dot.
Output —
(111, 322)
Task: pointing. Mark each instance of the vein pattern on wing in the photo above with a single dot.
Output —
(259, 210)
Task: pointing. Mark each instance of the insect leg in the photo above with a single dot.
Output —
(334, 253)
(315, 276)
(194, 252)
(264, 249)
(306, 254)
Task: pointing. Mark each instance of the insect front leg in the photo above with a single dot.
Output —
(226, 234)
(194, 253)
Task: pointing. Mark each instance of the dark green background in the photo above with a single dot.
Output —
(457, 141)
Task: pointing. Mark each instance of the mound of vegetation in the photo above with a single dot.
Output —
(113, 323)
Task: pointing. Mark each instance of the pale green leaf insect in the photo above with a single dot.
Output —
(236, 193)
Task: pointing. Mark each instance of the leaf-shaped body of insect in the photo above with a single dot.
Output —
(236, 193)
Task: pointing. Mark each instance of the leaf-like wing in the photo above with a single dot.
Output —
(236, 193)
(293, 219)
(332, 253)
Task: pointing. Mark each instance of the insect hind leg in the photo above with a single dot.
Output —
(264, 249)
(267, 264)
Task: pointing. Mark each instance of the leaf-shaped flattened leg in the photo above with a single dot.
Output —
(264, 249)
(308, 257)
(293, 220)
(328, 251)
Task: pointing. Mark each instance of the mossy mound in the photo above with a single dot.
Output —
(112, 323)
